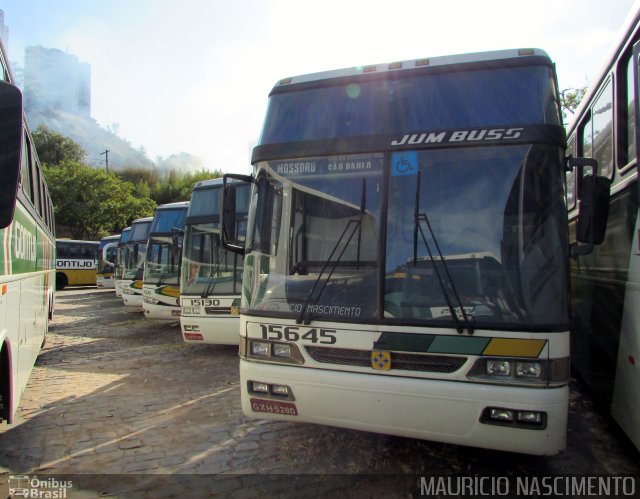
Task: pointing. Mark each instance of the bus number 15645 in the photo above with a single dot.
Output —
(293, 333)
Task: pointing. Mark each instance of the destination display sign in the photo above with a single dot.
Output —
(348, 165)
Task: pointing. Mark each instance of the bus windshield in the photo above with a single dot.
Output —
(207, 266)
(493, 216)
(161, 265)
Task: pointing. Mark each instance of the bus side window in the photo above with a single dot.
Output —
(602, 113)
(25, 179)
(627, 119)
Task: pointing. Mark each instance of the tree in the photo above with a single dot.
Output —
(54, 148)
(93, 203)
(570, 99)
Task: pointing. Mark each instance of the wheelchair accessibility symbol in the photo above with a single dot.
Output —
(404, 163)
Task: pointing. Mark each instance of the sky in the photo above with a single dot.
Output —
(194, 75)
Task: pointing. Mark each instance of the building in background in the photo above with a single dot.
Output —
(56, 80)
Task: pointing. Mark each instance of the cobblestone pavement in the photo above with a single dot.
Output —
(125, 407)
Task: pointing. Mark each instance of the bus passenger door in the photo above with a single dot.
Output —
(626, 396)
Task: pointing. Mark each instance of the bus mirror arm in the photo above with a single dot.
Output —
(228, 220)
(177, 235)
(593, 210)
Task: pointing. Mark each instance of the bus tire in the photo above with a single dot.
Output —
(61, 281)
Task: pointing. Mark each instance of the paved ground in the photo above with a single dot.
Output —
(121, 406)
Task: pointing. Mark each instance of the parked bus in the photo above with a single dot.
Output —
(406, 258)
(107, 249)
(121, 254)
(605, 346)
(211, 276)
(134, 262)
(76, 262)
(27, 251)
(161, 279)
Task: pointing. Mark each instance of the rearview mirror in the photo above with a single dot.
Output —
(10, 149)
(593, 212)
(231, 239)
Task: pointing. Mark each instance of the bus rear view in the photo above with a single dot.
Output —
(406, 253)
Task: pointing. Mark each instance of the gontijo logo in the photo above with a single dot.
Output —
(24, 243)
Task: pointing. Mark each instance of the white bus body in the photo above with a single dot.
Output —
(406, 253)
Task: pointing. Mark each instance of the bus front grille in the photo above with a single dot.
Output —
(399, 360)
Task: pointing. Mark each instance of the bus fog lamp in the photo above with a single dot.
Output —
(528, 369)
(501, 414)
(281, 390)
(530, 417)
(498, 367)
(260, 348)
(259, 387)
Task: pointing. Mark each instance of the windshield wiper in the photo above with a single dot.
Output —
(356, 227)
(466, 322)
(211, 284)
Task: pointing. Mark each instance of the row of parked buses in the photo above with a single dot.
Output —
(173, 266)
(416, 252)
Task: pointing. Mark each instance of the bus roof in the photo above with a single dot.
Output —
(169, 206)
(62, 240)
(141, 220)
(205, 184)
(110, 238)
(412, 64)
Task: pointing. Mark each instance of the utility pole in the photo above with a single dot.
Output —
(106, 157)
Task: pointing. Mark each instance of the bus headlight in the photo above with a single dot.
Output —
(271, 351)
(498, 367)
(529, 369)
(553, 372)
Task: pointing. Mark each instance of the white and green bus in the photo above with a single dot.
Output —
(27, 252)
(136, 250)
(161, 278)
(107, 252)
(121, 255)
(407, 254)
(605, 337)
(211, 276)
(76, 262)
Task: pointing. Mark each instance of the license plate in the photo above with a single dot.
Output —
(274, 407)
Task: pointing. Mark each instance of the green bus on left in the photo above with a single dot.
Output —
(27, 249)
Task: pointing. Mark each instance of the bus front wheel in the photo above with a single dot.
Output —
(61, 281)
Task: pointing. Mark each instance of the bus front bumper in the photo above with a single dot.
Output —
(442, 411)
(219, 330)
